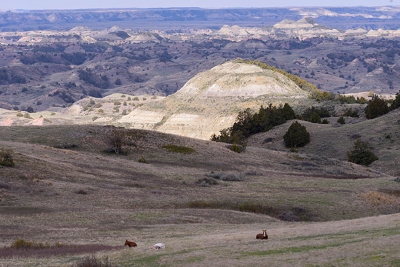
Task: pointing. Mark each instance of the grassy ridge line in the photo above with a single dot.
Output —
(303, 84)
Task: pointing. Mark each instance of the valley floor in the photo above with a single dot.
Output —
(371, 241)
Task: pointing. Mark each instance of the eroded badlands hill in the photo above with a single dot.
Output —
(212, 99)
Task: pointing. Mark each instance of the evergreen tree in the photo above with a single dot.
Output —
(288, 112)
(296, 135)
(376, 107)
(396, 102)
(315, 118)
(361, 153)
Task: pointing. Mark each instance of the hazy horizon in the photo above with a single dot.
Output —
(92, 4)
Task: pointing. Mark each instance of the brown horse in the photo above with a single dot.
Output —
(263, 235)
(130, 243)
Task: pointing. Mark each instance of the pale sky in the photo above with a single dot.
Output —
(83, 4)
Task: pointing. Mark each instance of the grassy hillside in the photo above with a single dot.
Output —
(84, 195)
(334, 140)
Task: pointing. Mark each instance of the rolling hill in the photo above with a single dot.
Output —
(179, 191)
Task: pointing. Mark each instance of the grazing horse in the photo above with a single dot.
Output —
(130, 243)
(263, 235)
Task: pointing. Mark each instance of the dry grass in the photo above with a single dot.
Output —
(151, 203)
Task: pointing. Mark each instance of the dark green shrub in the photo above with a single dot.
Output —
(361, 153)
(296, 135)
(325, 121)
(179, 149)
(236, 148)
(118, 81)
(376, 107)
(341, 120)
(351, 113)
(6, 157)
(315, 118)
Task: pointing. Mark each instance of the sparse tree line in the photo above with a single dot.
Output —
(76, 58)
(248, 123)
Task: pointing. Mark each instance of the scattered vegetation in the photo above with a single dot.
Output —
(179, 149)
(361, 153)
(248, 123)
(351, 113)
(28, 249)
(341, 120)
(77, 58)
(22, 244)
(296, 135)
(88, 76)
(6, 157)
(351, 99)
(92, 261)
